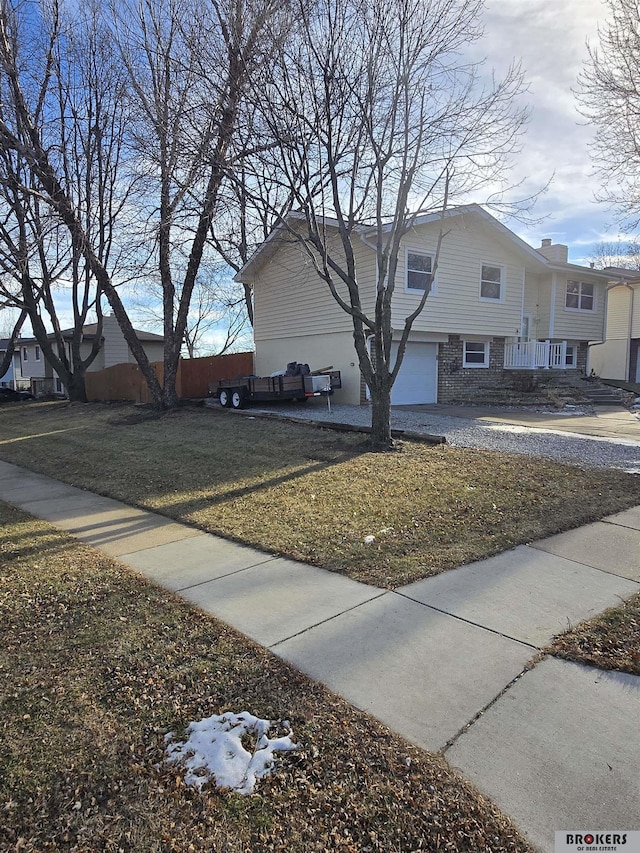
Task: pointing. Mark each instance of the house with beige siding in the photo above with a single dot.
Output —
(34, 371)
(617, 355)
(495, 306)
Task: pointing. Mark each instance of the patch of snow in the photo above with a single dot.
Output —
(214, 752)
(369, 540)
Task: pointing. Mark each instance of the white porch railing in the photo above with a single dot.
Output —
(530, 355)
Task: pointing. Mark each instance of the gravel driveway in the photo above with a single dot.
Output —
(462, 432)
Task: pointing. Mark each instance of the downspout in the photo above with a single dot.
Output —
(524, 276)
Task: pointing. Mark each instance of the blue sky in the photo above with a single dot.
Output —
(550, 39)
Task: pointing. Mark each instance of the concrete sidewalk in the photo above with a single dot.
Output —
(446, 662)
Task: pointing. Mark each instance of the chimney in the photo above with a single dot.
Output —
(556, 252)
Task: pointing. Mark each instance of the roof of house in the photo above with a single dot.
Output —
(535, 258)
(89, 332)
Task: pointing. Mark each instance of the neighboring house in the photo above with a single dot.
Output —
(496, 305)
(34, 370)
(8, 379)
(618, 355)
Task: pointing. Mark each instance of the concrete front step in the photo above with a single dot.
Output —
(605, 400)
(603, 396)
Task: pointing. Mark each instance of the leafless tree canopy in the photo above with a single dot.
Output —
(134, 173)
(172, 132)
(375, 116)
(623, 254)
(609, 93)
(61, 126)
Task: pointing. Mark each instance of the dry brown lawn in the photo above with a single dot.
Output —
(310, 494)
(608, 641)
(96, 665)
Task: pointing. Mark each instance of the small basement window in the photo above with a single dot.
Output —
(475, 354)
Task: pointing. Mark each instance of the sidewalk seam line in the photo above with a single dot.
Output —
(330, 618)
(531, 665)
(586, 565)
(470, 622)
(619, 524)
(213, 580)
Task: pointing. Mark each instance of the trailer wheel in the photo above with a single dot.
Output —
(224, 397)
(237, 399)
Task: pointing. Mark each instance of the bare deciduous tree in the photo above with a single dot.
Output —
(621, 253)
(374, 113)
(182, 68)
(61, 132)
(609, 94)
(189, 66)
(217, 321)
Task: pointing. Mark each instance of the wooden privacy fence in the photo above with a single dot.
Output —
(195, 374)
(126, 382)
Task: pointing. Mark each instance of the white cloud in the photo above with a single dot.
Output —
(550, 39)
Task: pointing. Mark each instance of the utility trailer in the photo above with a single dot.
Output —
(237, 393)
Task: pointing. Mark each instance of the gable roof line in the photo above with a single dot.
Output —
(89, 331)
(542, 262)
(266, 247)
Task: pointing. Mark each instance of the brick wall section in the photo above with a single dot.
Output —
(581, 358)
(456, 382)
(470, 384)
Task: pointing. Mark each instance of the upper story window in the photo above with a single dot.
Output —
(25, 354)
(37, 353)
(580, 296)
(492, 282)
(419, 271)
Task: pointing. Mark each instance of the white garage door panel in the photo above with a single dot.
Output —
(417, 381)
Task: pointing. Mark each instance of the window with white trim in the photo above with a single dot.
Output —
(419, 271)
(580, 296)
(37, 353)
(491, 282)
(570, 356)
(475, 354)
(25, 354)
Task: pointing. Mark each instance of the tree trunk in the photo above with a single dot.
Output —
(381, 419)
(76, 387)
(170, 399)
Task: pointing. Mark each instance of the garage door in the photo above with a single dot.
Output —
(417, 381)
